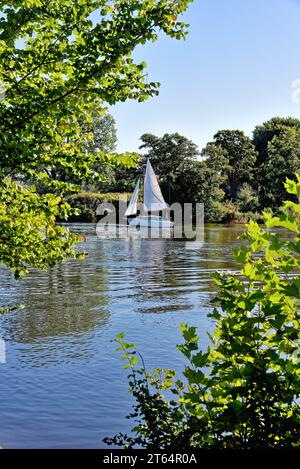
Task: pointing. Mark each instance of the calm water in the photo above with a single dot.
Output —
(63, 385)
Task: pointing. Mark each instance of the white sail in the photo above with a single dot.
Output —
(153, 198)
(132, 207)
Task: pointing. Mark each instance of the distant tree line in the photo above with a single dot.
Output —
(235, 176)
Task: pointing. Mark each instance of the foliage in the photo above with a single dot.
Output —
(9, 309)
(264, 134)
(233, 155)
(172, 156)
(28, 231)
(243, 391)
(85, 204)
(66, 66)
(104, 133)
(269, 183)
(204, 186)
(282, 161)
(235, 177)
(247, 199)
(61, 61)
(232, 213)
(219, 179)
(100, 150)
(123, 178)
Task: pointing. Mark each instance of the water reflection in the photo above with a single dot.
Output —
(145, 275)
(62, 374)
(132, 233)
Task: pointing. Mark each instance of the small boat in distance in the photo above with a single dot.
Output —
(153, 202)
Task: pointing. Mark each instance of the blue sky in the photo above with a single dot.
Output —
(234, 71)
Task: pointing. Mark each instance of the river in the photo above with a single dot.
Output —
(63, 385)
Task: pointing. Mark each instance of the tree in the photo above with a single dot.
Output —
(264, 134)
(103, 138)
(283, 160)
(233, 156)
(28, 231)
(173, 157)
(61, 61)
(123, 179)
(202, 185)
(104, 133)
(263, 137)
(247, 199)
(100, 138)
(243, 391)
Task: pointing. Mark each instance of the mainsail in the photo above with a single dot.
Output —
(132, 207)
(153, 198)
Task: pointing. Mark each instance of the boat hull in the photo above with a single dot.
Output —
(150, 222)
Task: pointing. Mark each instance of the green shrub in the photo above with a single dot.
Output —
(233, 214)
(243, 391)
(87, 202)
(247, 199)
(215, 211)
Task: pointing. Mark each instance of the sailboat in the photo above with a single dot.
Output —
(153, 202)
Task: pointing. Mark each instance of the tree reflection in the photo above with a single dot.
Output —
(68, 299)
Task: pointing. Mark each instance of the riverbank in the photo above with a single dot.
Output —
(87, 202)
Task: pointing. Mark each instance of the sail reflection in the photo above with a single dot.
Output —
(130, 232)
(69, 308)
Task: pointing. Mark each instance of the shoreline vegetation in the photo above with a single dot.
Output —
(61, 72)
(242, 392)
(236, 177)
(86, 202)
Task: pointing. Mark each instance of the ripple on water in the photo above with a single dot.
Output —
(63, 382)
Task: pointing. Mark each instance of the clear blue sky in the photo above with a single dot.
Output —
(235, 70)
